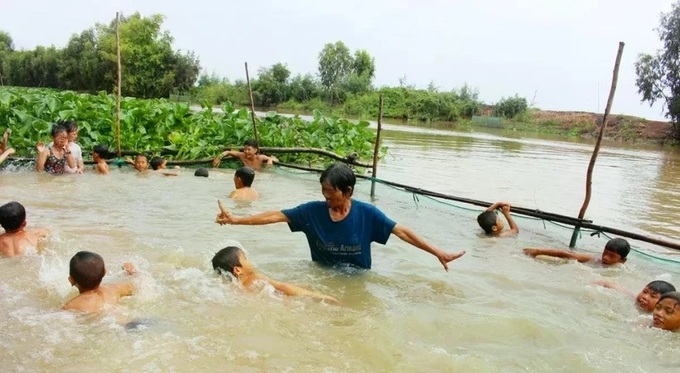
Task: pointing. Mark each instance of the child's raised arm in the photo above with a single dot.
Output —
(227, 153)
(581, 258)
(6, 154)
(514, 228)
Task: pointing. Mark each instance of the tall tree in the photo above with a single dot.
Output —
(363, 64)
(335, 63)
(6, 47)
(658, 76)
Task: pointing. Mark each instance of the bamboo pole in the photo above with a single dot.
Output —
(593, 158)
(377, 145)
(252, 104)
(118, 82)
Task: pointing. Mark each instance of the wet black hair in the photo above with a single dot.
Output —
(226, 259)
(619, 246)
(202, 172)
(87, 270)
(141, 155)
(251, 142)
(156, 162)
(57, 129)
(671, 295)
(246, 174)
(102, 151)
(69, 125)
(12, 215)
(661, 287)
(487, 220)
(340, 177)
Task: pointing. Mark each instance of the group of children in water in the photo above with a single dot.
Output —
(87, 269)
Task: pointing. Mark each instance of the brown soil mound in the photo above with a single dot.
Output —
(622, 127)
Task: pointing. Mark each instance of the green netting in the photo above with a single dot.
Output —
(464, 212)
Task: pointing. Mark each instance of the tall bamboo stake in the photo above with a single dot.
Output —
(252, 104)
(118, 84)
(376, 150)
(593, 158)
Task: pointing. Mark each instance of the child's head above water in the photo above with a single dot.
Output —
(615, 251)
(243, 177)
(649, 296)
(141, 163)
(667, 312)
(250, 148)
(490, 222)
(12, 216)
(158, 163)
(232, 260)
(201, 172)
(86, 270)
(100, 151)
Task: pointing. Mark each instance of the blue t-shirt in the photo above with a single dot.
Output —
(345, 241)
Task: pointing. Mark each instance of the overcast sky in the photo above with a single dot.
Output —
(562, 50)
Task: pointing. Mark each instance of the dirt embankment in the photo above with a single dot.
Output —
(619, 127)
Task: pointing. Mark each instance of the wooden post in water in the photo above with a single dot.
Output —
(593, 158)
(118, 82)
(377, 146)
(252, 104)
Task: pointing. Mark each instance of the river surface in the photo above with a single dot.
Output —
(494, 311)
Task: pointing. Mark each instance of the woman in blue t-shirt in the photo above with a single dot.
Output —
(341, 229)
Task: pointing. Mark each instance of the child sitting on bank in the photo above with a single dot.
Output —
(86, 271)
(16, 237)
(100, 153)
(666, 313)
(492, 224)
(647, 298)
(249, 156)
(615, 252)
(243, 179)
(232, 260)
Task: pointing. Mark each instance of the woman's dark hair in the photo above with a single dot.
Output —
(57, 129)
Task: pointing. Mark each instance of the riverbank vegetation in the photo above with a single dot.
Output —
(157, 126)
(342, 86)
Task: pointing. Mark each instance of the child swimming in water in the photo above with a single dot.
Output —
(160, 164)
(647, 298)
(615, 252)
(99, 155)
(86, 273)
(249, 156)
(233, 261)
(16, 237)
(666, 313)
(493, 225)
(243, 179)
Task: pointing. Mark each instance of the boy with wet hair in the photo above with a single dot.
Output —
(493, 225)
(615, 252)
(249, 156)
(243, 179)
(232, 260)
(647, 298)
(86, 271)
(160, 164)
(16, 237)
(100, 153)
(201, 172)
(666, 313)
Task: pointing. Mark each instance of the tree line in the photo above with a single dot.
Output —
(153, 69)
(88, 63)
